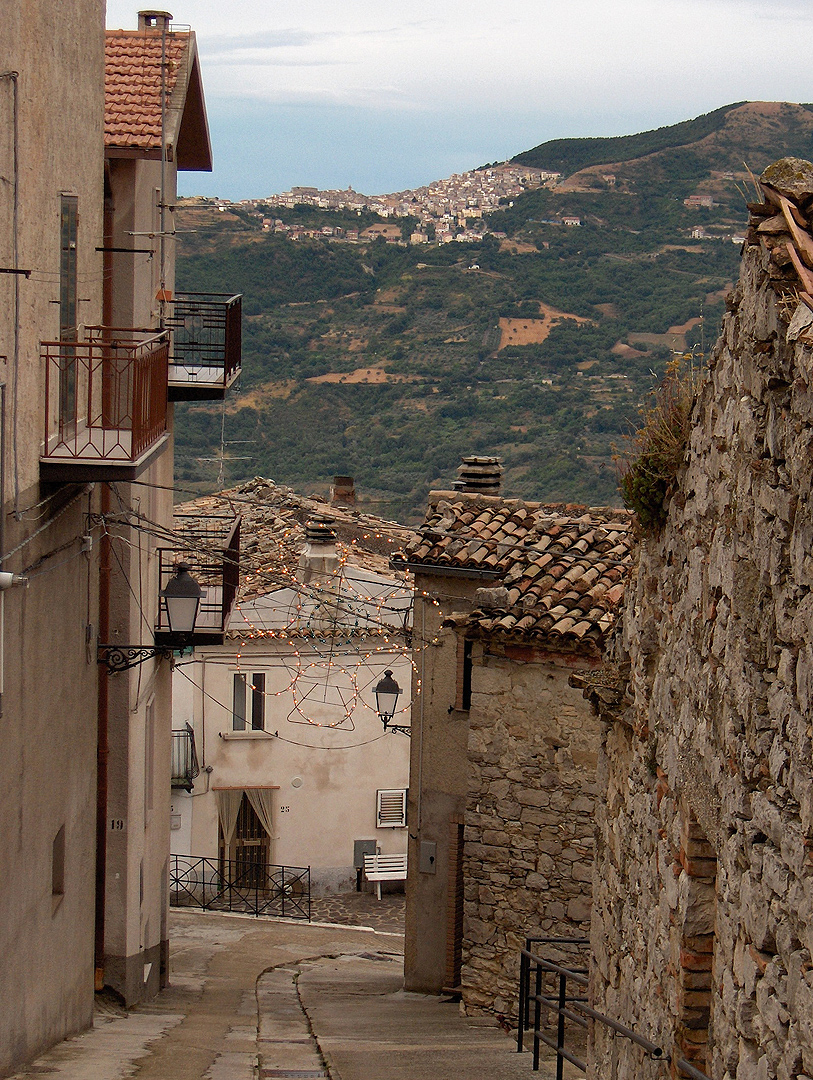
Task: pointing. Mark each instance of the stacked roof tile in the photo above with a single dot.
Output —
(133, 85)
(273, 532)
(559, 569)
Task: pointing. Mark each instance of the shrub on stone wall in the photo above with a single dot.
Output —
(657, 448)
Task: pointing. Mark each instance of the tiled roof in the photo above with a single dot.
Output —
(273, 532)
(132, 83)
(558, 570)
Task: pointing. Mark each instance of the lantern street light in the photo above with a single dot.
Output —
(387, 691)
(182, 596)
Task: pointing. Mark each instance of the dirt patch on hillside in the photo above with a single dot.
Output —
(626, 352)
(533, 331)
(610, 310)
(684, 328)
(372, 375)
(516, 247)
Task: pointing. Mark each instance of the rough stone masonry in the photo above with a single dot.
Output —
(703, 890)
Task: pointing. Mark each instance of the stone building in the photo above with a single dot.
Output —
(703, 905)
(510, 599)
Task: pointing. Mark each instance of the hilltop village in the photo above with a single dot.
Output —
(455, 208)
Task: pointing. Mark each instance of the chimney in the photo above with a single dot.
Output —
(479, 475)
(319, 561)
(343, 492)
(154, 20)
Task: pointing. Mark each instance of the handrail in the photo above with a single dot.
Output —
(571, 1008)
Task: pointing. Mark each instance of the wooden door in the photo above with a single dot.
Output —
(249, 851)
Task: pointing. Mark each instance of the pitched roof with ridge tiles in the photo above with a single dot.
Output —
(132, 84)
(559, 570)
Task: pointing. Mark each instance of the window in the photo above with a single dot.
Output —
(242, 684)
(390, 810)
(58, 868)
(69, 219)
(463, 688)
(68, 222)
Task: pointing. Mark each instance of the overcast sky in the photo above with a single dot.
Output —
(384, 96)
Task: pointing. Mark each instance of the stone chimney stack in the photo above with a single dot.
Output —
(479, 475)
(154, 20)
(319, 561)
(343, 492)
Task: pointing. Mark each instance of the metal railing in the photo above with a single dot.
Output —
(240, 885)
(185, 767)
(206, 340)
(210, 546)
(543, 988)
(106, 396)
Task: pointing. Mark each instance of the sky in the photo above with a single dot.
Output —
(384, 96)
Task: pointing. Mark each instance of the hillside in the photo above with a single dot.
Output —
(389, 362)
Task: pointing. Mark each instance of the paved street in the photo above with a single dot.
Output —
(255, 999)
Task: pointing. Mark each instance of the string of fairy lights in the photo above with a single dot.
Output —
(328, 639)
(320, 632)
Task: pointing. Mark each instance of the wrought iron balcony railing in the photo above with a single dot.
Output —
(185, 767)
(210, 547)
(240, 885)
(105, 404)
(206, 350)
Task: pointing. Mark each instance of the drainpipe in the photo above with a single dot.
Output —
(102, 702)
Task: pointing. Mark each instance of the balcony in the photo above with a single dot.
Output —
(210, 547)
(206, 351)
(105, 404)
(185, 766)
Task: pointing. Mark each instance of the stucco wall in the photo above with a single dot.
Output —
(703, 916)
(48, 764)
(325, 780)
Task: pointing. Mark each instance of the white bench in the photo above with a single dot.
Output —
(380, 868)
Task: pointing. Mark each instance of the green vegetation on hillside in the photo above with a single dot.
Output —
(389, 362)
(568, 156)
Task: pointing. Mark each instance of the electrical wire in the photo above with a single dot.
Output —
(291, 742)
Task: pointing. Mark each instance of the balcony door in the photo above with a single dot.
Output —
(249, 852)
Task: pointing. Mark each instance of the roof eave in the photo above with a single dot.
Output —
(193, 144)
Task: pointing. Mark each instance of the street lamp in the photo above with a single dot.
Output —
(182, 596)
(387, 691)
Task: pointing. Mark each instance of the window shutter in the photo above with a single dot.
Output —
(391, 808)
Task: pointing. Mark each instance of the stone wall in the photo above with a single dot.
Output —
(530, 816)
(703, 898)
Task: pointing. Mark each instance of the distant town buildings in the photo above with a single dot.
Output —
(450, 209)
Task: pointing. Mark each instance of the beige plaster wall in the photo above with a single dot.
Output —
(48, 765)
(439, 772)
(317, 820)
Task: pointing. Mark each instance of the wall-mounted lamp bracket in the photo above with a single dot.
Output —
(123, 657)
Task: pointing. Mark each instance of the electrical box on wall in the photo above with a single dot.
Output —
(428, 857)
(360, 849)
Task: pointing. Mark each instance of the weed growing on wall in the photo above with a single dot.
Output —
(657, 448)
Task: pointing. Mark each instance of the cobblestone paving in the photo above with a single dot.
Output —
(361, 909)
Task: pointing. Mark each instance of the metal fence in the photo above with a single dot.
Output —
(549, 990)
(105, 397)
(240, 886)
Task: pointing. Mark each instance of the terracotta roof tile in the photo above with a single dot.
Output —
(273, 533)
(563, 566)
(132, 85)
